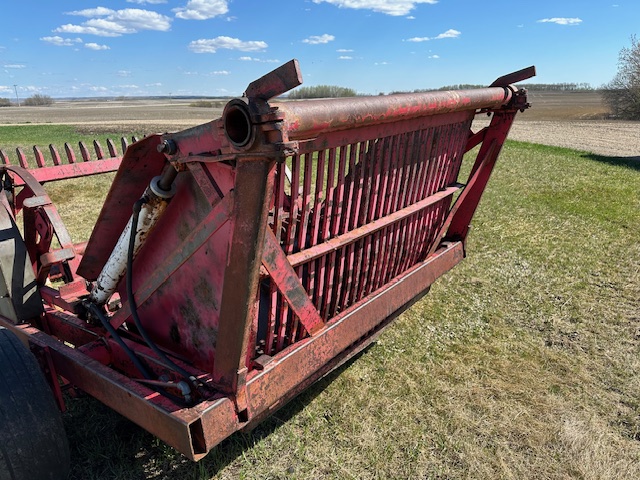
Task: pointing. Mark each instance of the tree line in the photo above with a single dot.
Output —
(36, 100)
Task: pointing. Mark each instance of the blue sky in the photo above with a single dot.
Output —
(82, 48)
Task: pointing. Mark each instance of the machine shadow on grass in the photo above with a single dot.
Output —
(110, 446)
(629, 162)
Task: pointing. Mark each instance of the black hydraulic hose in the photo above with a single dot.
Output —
(98, 313)
(132, 302)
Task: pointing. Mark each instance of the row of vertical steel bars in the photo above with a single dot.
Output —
(69, 157)
(356, 184)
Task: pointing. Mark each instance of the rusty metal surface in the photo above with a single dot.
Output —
(254, 183)
(61, 167)
(297, 232)
(311, 118)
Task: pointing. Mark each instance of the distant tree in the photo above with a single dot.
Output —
(322, 91)
(5, 102)
(622, 94)
(38, 100)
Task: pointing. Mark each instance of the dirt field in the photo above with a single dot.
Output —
(573, 120)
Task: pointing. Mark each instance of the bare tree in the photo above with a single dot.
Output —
(622, 94)
(38, 100)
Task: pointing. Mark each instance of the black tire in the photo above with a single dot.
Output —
(33, 443)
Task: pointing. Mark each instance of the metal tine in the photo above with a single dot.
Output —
(327, 264)
(55, 156)
(338, 258)
(84, 152)
(286, 319)
(279, 308)
(408, 224)
(22, 159)
(273, 317)
(123, 144)
(371, 194)
(395, 203)
(438, 182)
(279, 200)
(39, 157)
(375, 211)
(380, 238)
(347, 223)
(409, 229)
(292, 327)
(4, 158)
(392, 185)
(411, 223)
(71, 155)
(98, 148)
(113, 151)
(318, 206)
(357, 219)
(405, 225)
(424, 224)
(294, 205)
(134, 139)
(438, 212)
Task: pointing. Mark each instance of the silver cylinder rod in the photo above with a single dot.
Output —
(158, 194)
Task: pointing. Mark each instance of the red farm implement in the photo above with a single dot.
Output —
(265, 248)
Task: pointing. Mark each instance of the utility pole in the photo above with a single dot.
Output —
(15, 87)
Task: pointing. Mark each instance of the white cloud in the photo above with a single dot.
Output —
(151, 2)
(252, 59)
(381, 63)
(344, 50)
(123, 73)
(15, 65)
(211, 45)
(220, 72)
(95, 46)
(318, 39)
(116, 22)
(451, 33)
(388, 7)
(345, 57)
(157, 84)
(61, 42)
(434, 56)
(131, 87)
(92, 12)
(561, 21)
(202, 9)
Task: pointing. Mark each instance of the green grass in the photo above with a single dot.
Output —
(26, 136)
(520, 363)
(78, 200)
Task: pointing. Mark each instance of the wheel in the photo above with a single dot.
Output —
(33, 443)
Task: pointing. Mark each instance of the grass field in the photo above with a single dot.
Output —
(520, 363)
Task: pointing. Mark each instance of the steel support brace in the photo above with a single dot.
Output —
(288, 283)
(254, 185)
(460, 221)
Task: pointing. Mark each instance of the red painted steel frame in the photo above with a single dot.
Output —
(298, 231)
